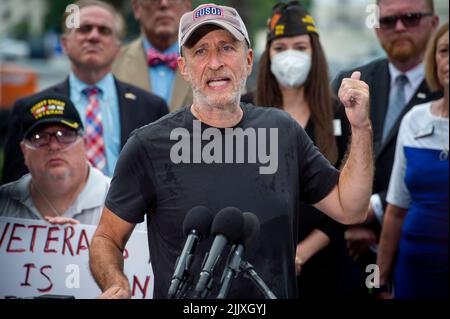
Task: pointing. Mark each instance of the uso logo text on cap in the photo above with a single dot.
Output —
(208, 11)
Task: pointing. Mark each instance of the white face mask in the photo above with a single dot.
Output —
(291, 68)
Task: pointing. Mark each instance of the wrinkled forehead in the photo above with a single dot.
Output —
(95, 15)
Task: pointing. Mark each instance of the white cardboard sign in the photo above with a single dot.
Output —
(37, 258)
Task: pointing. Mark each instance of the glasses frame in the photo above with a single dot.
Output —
(103, 30)
(409, 20)
(49, 136)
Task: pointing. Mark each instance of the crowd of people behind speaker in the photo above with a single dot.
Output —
(110, 110)
(396, 83)
(416, 224)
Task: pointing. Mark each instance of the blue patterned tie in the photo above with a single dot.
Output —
(397, 104)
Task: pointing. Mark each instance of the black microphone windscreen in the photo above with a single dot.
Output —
(198, 218)
(229, 222)
(250, 231)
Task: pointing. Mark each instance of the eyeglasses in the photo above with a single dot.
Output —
(87, 28)
(158, 2)
(63, 137)
(408, 20)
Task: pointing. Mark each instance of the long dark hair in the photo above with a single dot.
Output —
(318, 95)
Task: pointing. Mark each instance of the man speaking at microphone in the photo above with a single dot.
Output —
(219, 152)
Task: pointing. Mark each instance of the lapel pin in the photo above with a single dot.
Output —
(421, 95)
(130, 96)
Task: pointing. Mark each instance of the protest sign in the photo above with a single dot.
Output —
(37, 258)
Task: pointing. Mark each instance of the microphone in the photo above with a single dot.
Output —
(249, 235)
(226, 227)
(196, 226)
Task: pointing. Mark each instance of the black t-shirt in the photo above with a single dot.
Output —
(148, 181)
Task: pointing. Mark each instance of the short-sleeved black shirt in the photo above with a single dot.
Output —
(147, 181)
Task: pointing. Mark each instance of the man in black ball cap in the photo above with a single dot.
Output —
(62, 187)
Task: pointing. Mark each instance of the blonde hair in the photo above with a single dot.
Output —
(430, 59)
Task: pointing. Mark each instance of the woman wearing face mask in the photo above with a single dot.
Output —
(293, 77)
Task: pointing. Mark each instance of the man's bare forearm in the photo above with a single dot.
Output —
(355, 182)
(106, 263)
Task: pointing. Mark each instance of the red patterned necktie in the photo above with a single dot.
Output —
(94, 130)
(156, 58)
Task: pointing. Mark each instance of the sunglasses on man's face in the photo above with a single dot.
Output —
(408, 20)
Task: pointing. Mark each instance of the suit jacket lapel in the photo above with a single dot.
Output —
(63, 88)
(124, 107)
(179, 93)
(137, 65)
(379, 90)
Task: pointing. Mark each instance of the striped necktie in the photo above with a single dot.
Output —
(95, 151)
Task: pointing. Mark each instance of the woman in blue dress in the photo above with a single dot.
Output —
(414, 243)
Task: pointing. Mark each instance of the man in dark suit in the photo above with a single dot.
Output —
(110, 109)
(396, 84)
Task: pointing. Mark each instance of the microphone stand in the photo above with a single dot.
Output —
(185, 282)
(184, 286)
(202, 294)
(231, 271)
(249, 272)
(236, 266)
